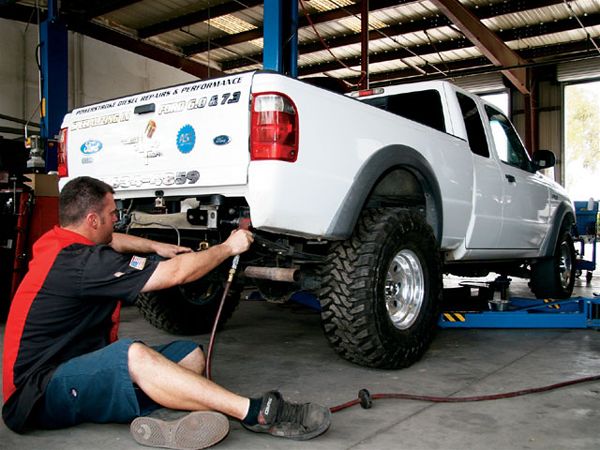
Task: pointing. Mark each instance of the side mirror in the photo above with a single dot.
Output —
(544, 159)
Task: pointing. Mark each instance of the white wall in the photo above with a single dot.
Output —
(97, 71)
(100, 71)
(18, 74)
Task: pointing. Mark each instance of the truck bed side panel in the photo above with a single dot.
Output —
(338, 135)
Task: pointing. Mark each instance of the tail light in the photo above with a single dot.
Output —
(274, 128)
(63, 168)
(366, 92)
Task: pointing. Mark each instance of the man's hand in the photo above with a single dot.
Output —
(189, 267)
(239, 241)
(169, 250)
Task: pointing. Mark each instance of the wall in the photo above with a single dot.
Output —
(101, 71)
(97, 71)
(18, 75)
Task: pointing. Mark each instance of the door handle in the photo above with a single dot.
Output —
(510, 178)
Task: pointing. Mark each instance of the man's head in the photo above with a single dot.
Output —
(87, 205)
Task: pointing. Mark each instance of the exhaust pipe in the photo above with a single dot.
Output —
(273, 273)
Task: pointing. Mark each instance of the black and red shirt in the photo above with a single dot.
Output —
(67, 305)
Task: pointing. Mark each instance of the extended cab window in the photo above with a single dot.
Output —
(474, 125)
(421, 106)
(508, 145)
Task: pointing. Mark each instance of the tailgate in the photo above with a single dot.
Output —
(186, 136)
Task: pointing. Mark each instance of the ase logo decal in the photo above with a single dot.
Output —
(186, 139)
(91, 146)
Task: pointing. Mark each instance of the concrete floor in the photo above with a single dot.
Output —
(267, 346)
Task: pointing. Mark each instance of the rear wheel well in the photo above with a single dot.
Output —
(406, 187)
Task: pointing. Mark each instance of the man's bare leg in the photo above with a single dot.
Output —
(194, 361)
(179, 386)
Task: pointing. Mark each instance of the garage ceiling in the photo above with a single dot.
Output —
(408, 40)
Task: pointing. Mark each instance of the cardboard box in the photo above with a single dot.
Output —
(43, 185)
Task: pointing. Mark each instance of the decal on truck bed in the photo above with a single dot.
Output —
(101, 120)
(186, 139)
(156, 179)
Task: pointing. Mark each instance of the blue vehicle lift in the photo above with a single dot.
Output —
(517, 312)
(576, 312)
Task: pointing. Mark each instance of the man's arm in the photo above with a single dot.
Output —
(188, 267)
(126, 243)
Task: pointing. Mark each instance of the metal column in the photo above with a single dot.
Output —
(280, 36)
(54, 81)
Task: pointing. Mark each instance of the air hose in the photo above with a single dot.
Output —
(365, 398)
(213, 333)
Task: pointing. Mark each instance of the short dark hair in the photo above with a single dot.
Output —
(80, 196)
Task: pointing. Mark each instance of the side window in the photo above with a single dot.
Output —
(474, 125)
(424, 107)
(508, 145)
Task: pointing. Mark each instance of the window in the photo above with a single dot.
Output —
(582, 139)
(499, 100)
(424, 107)
(508, 145)
(474, 125)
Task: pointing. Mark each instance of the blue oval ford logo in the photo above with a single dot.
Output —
(91, 146)
(222, 140)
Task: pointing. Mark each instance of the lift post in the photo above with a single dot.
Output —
(54, 79)
(281, 37)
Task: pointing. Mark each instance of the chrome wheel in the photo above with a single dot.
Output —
(565, 265)
(404, 289)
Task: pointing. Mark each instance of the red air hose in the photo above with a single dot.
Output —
(365, 399)
(213, 333)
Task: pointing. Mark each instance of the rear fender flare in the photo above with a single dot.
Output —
(384, 160)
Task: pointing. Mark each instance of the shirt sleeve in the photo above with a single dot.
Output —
(109, 274)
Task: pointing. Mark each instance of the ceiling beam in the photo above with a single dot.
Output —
(487, 42)
(414, 26)
(196, 17)
(456, 44)
(20, 13)
(86, 10)
(550, 54)
(316, 18)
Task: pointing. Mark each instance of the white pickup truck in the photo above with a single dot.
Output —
(364, 201)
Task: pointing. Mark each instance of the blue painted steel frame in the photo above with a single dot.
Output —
(280, 36)
(55, 70)
(577, 312)
(292, 40)
(272, 36)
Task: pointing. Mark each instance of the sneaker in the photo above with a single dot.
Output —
(196, 430)
(290, 420)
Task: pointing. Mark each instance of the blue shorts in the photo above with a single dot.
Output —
(96, 387)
